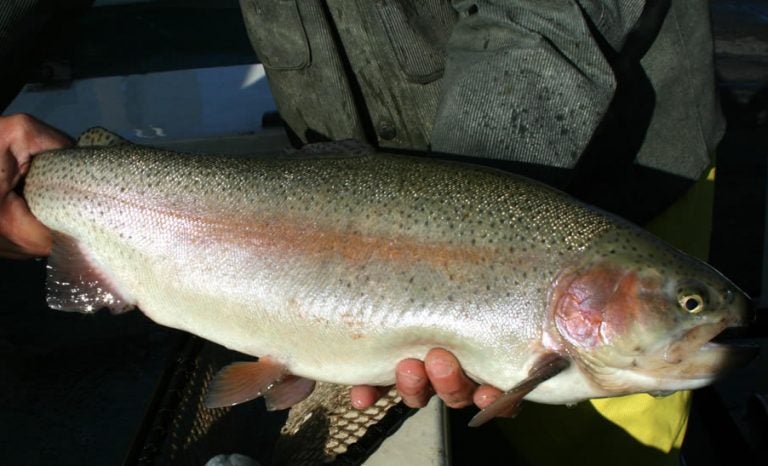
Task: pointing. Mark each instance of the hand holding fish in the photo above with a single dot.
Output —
(21, 136)
(440, 373)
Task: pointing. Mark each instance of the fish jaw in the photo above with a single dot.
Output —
(634, 327)
(707, 364)
(694, 359)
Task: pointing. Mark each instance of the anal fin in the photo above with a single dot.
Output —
(75, 284)
(243, 381)
(546, 367)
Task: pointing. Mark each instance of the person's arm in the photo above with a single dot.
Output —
(22, 136)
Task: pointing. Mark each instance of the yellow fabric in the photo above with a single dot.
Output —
(655, 422)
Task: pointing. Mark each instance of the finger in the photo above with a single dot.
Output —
(9, 172)
(26, 136)
(448, 380)
(23, 236)
(412, 383)
(485, 395)
(364, 396)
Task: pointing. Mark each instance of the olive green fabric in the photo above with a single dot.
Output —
(523, 80)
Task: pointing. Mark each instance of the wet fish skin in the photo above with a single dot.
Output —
(338, 267)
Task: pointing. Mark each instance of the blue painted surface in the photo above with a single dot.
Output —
(165, 106)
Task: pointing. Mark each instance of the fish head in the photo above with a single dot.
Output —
(639, 316)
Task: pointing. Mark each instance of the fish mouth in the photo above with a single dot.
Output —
(737, 352)
(709, 350)
(733, 355)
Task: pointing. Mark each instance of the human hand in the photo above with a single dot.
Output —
(21, 136)
(417, 381)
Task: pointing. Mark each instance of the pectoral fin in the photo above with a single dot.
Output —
(244, 381)
(548, 366)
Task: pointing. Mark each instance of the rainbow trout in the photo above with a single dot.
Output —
(335, 263)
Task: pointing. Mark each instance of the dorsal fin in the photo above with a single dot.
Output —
(100, 137)
(344, 148)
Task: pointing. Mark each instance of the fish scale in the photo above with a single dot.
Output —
(338, 263)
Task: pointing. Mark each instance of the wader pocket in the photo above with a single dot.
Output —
(283, 44)
(417, 33)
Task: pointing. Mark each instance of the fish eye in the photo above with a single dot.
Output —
(693, 303)
(693, 296)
